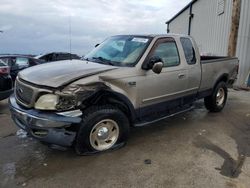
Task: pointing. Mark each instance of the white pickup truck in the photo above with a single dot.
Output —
(127, 80)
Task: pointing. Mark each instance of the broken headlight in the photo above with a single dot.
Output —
(47, 102)
(72, 96)
(66, 102)
(67, 99)
(55, 102)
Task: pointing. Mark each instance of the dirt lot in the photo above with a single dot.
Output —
(196, 149)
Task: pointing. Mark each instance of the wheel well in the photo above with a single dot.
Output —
(222, 78)
(116, 99)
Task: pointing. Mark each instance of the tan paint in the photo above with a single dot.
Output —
(144, 87)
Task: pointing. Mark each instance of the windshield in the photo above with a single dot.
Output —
(119, 50)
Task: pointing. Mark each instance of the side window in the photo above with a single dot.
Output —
(73, 56)
(43, 58)
(52, 57)
(188, 50)
(32, 62)
(168, 52)
(2, 64)
(46, 57)
(62, 57)
(5, 60)
(22, 62)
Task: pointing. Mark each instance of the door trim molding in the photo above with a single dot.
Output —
(168, 95)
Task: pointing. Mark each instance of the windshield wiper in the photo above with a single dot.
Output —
(103, 60)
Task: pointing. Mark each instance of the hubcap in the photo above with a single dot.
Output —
(220, 97)
(104, 134)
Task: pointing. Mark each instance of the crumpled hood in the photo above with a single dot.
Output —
(56, 74)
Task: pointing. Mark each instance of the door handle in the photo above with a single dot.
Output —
(180, 76)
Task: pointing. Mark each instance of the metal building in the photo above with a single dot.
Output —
(211, 22)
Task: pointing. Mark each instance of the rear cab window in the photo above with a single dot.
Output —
(188, 50)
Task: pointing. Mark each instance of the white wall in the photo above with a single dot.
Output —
(211, 31)
(243, 44)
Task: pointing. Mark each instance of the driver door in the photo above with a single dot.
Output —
(160, 91)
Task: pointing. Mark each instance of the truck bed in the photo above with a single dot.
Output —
(214, 66)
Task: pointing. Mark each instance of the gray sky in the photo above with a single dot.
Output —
(34, 27)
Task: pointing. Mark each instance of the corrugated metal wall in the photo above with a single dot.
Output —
(211, 31)
(243, 44)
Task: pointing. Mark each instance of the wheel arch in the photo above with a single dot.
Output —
(116, 99)
(223, 78)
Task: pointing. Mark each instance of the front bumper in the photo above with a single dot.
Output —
(47, 127)
(5, 94)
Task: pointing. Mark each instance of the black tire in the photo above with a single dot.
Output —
(91, 117)
(211, 102)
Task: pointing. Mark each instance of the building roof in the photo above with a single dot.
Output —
(181, 11)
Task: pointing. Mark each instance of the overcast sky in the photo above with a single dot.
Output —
(34, 27)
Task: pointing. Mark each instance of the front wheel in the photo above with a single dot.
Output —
(103, 128)
(217, 100)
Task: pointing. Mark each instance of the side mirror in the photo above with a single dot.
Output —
(97, 45)
(157, 67)
(155, 63)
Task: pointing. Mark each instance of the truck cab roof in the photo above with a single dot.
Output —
(157, 35)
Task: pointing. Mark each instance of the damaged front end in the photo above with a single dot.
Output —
(53, 128)
(56, 116)
(71, 97)
(75, 96)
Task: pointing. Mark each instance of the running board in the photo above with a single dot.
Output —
(162, 118)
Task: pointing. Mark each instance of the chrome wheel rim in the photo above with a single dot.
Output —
(220, 97)
(104, 134)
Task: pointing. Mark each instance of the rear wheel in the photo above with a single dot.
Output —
(217, 100)
(103, 128)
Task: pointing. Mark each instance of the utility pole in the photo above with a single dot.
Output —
(234, 28)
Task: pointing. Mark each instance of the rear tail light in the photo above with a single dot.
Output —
(4, 70)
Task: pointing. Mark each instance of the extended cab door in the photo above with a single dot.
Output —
(158, 91)
(192, 59)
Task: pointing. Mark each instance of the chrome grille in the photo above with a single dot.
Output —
(24, 93)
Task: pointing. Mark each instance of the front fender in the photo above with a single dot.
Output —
(109, 96)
